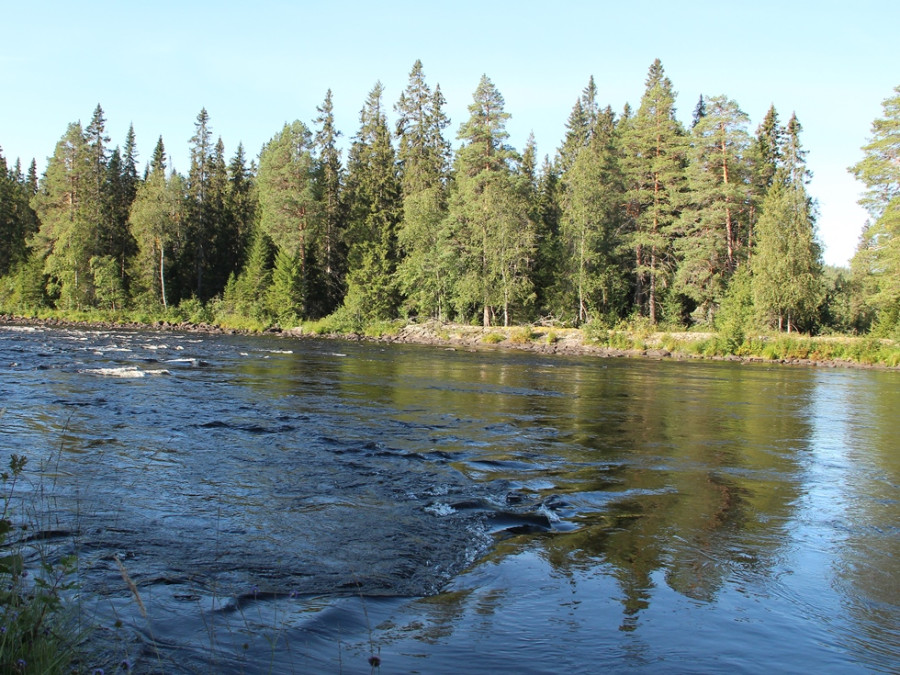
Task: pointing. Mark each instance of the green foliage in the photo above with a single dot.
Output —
(521, 335)
(493, 338)
(786, 267)
(373, 192)
(876, 264)
(736, 312)
(713, 227)
(35, 633)
(285, 296)
(654, 169)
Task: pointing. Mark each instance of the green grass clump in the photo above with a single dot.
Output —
(493, 338)
(36, 634)
(521, 335)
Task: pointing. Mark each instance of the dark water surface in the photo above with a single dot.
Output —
(296, 506)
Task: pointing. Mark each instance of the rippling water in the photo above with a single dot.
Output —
(296, 506)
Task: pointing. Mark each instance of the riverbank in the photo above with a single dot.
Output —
(797, 350)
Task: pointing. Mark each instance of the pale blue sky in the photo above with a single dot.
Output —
(256, 65)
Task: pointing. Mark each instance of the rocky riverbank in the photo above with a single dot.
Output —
(564, 341)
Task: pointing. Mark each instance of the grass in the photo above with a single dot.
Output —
(38, 633)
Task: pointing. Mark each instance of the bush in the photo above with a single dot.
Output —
(522, 335)
(493, 338)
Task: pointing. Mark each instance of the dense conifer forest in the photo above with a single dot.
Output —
(634, 218)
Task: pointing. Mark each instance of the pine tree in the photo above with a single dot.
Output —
(373, 195)
(288, 206)
(654, 168)
(423, 155)
(712, 225)
(67, 210)
(876, 263)
(488, 218)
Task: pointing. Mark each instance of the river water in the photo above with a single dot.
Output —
(296, 506)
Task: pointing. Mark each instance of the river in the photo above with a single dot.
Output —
(296, 506)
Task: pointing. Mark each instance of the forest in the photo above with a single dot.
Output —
(634, 218)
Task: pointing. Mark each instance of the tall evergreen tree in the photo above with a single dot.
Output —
(17, 220)
(766, 157)
(66, 207)
(373, 196)
(787, 266)
(489, 221)
(877, 260)
(240, 209)
(654, 167)
(329, 179)
(199, 226)
(157, 221)
(289, 208)
(548, 251)
(712, 225)
(424, 156)
(590, 224)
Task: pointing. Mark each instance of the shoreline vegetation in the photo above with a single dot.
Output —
(622, 341)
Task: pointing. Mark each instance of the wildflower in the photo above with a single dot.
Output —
(20, 664)
(99, 671)
(375, 661)
(125, 665)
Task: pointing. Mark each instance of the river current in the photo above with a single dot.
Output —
(262, 504)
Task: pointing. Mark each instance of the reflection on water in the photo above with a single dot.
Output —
(300, 505)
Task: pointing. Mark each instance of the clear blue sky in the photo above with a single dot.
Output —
(256, 65)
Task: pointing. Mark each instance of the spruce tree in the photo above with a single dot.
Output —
(590, 225)
(373, 196)
(199, 226)
(240, 209)
(331, 251)
(654, 168)
(488, 217)
(548, 256)
(17, 220)
(423, 156)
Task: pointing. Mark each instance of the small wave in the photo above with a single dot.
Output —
(193, 363)
(440, 509)
(129, 372)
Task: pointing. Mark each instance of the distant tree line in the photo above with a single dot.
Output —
(634, 217)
